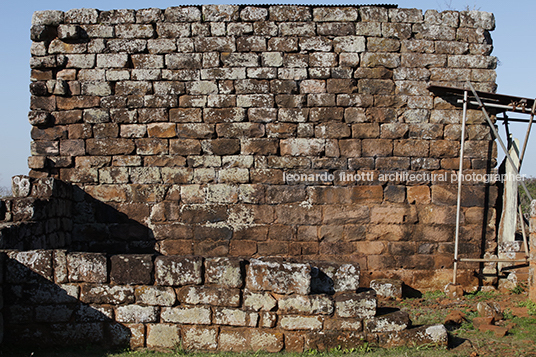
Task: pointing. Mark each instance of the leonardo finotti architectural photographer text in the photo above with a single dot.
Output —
(403, 176)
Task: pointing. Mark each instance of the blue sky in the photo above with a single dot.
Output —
(513, 41)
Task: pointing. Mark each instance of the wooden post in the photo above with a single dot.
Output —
(508, 223)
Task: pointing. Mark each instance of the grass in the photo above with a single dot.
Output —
(366, 350)
(481, 295)
(530, 305)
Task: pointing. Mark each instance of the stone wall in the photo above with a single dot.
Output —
(54, 297)
(183, 130)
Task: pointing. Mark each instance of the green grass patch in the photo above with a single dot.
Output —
(482, 295)
(530, 305)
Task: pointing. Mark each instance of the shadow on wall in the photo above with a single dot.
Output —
(100, 227)
(50, 214)
(39, 311)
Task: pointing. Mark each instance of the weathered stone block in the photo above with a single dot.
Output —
(351, 324)
(93, 313)
(289, 322)
(200, 338)
(281, 278)
(155, 296)
(259, 301)
(209, 295)
(131, 269)
(232, 317)
(177, 271)
(48, 17)
(334, 14)
(225, 272)
(29, 266)
(107, 294)
(136, 314)
(234, 340)
(266, 340)
(302, 147)
(305, 304)
(87, 267)
(163, 335)
(389, 288)
(417, 336)
(395, 321)
(187, 315)
(360, 305)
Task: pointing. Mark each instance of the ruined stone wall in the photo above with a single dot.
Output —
(182, 130)
(54, 297)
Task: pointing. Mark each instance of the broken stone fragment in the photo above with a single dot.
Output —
(490, 309)
(21, 186)
(418, 336)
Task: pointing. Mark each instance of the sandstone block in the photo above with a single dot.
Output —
(258, 301)
(155, 296)
(235, 340)
(389, 288)
(177, 271)
(209, 295)
(395, 321)
(187, 315)
(183, 60)
(306, 305)
(423, 335)
(81, 16)
(231, 317)
(270, 341)
(112, 60)
(182, 14)
(200, 338)
(136, 314)
(334, 14)
(281, 278)
(477, 19)
(134, 31)
(120, 16)
(131, 269)
(359, 305)
(107, 294)
(289, 322)
(225, 272)
(289, 13)
(87, 267)
(297, 29)
(48, 17)
(388, 60)
(252, 13)
(302, 147)
(343, 324)
(163, 335)
(21, 266)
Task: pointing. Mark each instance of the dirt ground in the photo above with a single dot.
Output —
(517, 318)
